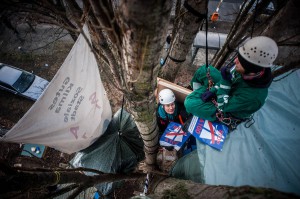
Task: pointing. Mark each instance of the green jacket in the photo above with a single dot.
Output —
(236, 97)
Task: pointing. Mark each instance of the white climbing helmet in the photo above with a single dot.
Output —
(261, 51)
(166, 96)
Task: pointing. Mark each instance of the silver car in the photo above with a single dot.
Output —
(21, 82)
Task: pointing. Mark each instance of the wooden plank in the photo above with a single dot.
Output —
(179, 91)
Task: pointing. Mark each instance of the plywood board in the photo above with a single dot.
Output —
(179, 91)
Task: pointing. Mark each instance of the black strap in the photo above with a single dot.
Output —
(193, 11)
(206, 39)
(119, 130)
(176, 60)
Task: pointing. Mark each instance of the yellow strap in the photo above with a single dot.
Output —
(57, 177)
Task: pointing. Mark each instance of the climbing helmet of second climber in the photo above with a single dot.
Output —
(166, 96)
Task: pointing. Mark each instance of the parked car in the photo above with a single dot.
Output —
(21, 82)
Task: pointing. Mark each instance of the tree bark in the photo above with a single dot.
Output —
(22, 181)
(188, 27)
(143, 24)
(285, 30)
(188, 189)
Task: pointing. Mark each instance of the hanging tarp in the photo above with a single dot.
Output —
(118, 151)
(73, 111)
(267, 153)
(188, 167)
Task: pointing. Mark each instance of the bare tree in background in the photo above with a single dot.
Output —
(282, 26)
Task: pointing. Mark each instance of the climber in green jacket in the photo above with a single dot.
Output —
(238, 90)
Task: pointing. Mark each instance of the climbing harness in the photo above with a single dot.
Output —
(229, 121)
(233, 122)
(215, 16)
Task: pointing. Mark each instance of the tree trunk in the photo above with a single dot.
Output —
(143, 24)
(192, 15)
(22, 181)
(285, 30)
(176, 188)
(17, 180)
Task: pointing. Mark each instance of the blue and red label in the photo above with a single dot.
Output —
(210, 133)
(174, 136)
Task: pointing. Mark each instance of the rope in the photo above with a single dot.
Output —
(229, 121)
(210, 80)
(249, 122)
(217, 9)
(276, 80)
(121, 115)
(206, 39)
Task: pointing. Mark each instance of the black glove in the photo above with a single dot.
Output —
(207, 96)
(187, 123)
(184, 114)
(225, 72)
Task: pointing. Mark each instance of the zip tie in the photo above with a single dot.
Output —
(57, 177)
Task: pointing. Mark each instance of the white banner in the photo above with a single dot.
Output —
(73, 111)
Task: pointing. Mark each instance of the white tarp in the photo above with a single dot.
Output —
(73, 111)
(267, 153)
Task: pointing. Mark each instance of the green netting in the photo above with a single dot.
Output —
(118, 150)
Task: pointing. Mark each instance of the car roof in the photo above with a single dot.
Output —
(9, 75)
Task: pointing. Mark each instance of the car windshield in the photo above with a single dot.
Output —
(23, 82)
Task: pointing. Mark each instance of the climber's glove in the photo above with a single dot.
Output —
(208, 96)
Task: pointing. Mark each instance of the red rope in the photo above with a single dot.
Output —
(219, 114)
